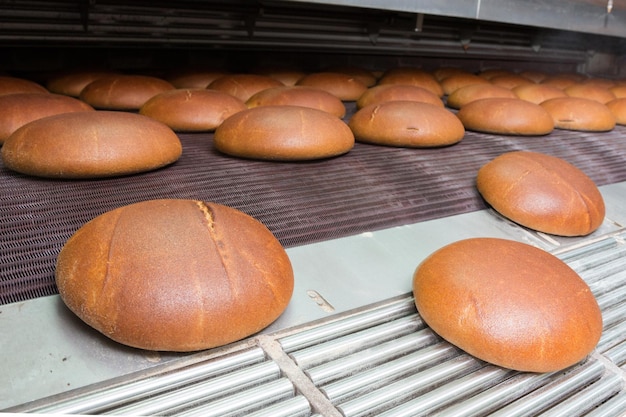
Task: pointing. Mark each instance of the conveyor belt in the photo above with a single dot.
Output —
(370, 188)
(380, 360)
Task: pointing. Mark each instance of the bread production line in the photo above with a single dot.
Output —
(355, 226)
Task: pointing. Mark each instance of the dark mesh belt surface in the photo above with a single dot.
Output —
(370, 188)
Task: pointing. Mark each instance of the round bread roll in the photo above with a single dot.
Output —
(454, 82)
(542, 192)
(12, 85)
(365, 76)
(506, 116)
(619, 91)
(175, 275)
(90, 144)
(559, 81)
(465, 95)
(576, 113)
(71, 83)
(412, 76)
(343, 86)
(283, 133)
(18, 109)
(618, 108)
(243, 86)
(508, 303)
(591, 92)
(123, 91)
(406, 124)
(600, 82)
(537, 93)
(192, 110)
(314, 98)
(510, 81)
(395, 92)
(194, 78)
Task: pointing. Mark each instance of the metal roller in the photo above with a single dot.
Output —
(324, 352)
(204, 391)
(347, 325)
(371, 357)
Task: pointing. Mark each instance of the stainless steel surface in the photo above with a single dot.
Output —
(581, 16)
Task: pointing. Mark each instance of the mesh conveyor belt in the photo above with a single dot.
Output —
(369, 188)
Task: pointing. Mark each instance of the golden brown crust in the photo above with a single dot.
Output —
(542, 192)
(283, 133)
(71, 83)
(344, 86)
(576, 113)
(12, 85)
(590, 91)
(392, 92)
(618, 108)
(619, 91)
(538, 93)
(243, 86)
(312, 97)
(175, 275)
(192, 110)
(472, 92)
(90, 144)
(18, 109)
(412, 76)
(508, 303)
(506, 116)
(366, 76)
(406, 124)
(123, 92)
(455, 81)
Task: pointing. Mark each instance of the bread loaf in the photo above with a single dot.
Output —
(283, 133)
(123, 91)
(506, 116)
(71, 83)
(314, 98)
(412, 76)
(175, 275)
(618, 108)
(192, 110)
(12, 85)
(455, 81)
(366, 76)
(243, 86)
(590, 91)
(90, 144)
(18, 109)
(406, 124)
(464, 95)
(542, 192)
(508, 303)
(576, 113)
(537, 93)
(343, 86)
(391, 92)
